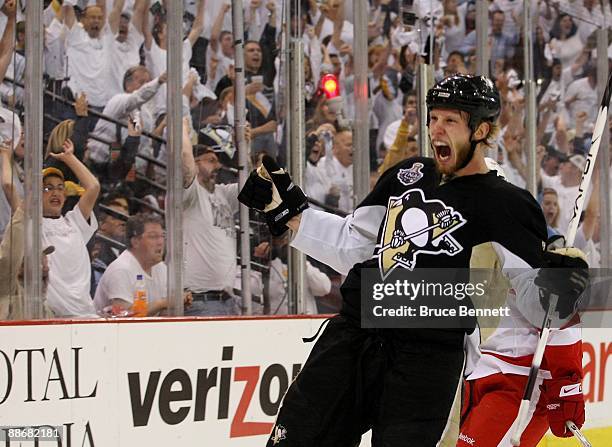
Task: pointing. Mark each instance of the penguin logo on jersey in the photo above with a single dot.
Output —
(279, 434)
(411, 175)
(415, 225)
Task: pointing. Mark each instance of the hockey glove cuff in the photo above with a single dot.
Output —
(564, 402)
(288, 199)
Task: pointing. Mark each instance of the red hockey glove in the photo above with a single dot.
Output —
(565, 402)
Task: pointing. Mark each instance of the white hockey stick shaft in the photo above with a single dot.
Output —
(578, 434)
(602, 120)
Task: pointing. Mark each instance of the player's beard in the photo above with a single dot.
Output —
(460, 155)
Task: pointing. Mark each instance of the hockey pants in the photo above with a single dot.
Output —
(489, 408)
(400, 384)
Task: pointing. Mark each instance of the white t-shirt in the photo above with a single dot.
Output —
(586, 99)
(209, 236)
(156, 63)
(317, 284)
(87, 64)
(567, 50)
(124, 56)
(566, 196)
(69, 264)
(511, 9)
(332, 173)
(119, 107)
(54, 53)
(119, 281)
(346, 35)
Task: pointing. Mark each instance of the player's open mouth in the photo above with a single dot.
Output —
(443, 150)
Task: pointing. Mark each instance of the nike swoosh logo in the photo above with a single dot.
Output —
(570, 390)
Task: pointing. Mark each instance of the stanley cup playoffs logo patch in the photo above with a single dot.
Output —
(411, 175)
(415, 225)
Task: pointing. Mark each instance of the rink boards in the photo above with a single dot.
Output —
(207, 382)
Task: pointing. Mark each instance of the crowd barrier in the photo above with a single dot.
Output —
(187, 381)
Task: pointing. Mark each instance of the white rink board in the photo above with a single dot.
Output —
(167, 383)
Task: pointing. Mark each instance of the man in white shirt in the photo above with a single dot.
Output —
(86, 48)
(209, 232)
(155, 44)
(124, 41)
(146, 239)
(335, 172)
(139, 89)
(68, 293)
(581, 95)
(221, 54)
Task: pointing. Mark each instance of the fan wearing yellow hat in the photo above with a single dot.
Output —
(68, 293)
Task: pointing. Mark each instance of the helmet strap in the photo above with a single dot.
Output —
(473, 144)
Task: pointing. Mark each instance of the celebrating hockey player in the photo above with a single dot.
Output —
(401, 383)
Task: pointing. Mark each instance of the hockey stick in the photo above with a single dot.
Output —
(602, 120)
(578, 434)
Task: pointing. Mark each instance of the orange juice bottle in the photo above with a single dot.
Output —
(141, 304)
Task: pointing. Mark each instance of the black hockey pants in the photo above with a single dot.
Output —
(399, 383)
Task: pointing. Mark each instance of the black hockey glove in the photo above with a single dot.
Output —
(287, 199)
(565, 273)
(256, 192)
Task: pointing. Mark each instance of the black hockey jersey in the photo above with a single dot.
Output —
(429, 224)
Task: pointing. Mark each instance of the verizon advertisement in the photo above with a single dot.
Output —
(186, 383)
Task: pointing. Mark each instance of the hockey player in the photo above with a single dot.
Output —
(400, 382)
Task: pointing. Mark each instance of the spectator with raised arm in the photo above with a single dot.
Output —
(87, 49)
(70, 283)
(139, 89)
(7, 42)
(155, 45)
(12, 249)
(209, 231)
(221, 54)
(124, 41)
(10, 132)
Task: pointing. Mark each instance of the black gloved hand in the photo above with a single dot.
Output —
(256, 192)
(565, 273)
(288, 199)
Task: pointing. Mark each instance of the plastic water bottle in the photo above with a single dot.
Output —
(141, 304)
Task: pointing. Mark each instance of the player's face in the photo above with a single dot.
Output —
(450, 139)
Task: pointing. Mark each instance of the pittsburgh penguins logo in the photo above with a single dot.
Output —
(411, 175)
(414, 225)
(279, 433)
